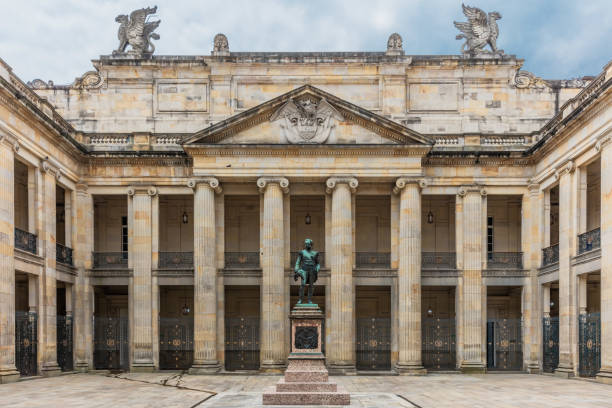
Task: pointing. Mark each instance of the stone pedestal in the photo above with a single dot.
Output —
(306, 379)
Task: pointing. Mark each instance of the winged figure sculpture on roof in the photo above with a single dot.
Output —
(137, 32)
(479, 31)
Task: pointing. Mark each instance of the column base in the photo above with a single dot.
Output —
(81, 367)
(51, 370)
(473, 368)
(208, 367)
(604, 375)
(533, 368)
(142, 367)
(342, 369)
(410, 369)
(9, 376)
(564, 371)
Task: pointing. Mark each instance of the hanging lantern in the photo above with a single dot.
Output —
(430, 217)
(429, 312)
(307, 219)
(185, 309)
(185, 217)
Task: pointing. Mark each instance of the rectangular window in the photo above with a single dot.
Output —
(490, 236)
(124, 237)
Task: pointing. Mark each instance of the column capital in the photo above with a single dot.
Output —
(47, 167)
(603, 141)
(264, 182)
(81, 188)
(402, 182)
(331, 183)
(565, 168)
(464, 190)
(9, 140)
(150, 190)
(208, 181)
(533, 188)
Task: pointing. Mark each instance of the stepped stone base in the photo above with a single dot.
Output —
(306, 398)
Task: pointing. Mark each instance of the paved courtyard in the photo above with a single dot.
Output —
(228, 391)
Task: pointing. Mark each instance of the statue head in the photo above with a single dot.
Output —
(495, 15)
(308, 243)
(122, 18)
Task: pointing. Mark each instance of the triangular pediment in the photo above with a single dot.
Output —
(307, 115)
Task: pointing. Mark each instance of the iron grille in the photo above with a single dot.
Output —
(439, 260)
(242, 343)
(26, 343)
(373, 343)
(504, 344)
(373, 259)
(550, 346)
(589, 241)
(25, 241)
(550, 255)
(113, 260)
(438, 343)
(64, 343)
(63, 254)
(589, 344)
(111, 343)
(175, 343)
(242, 259)
(505, 260)
(294, 256)
(176, 260)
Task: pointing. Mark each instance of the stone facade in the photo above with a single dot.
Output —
(436, 188)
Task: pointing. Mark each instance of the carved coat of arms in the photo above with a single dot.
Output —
(307, 120)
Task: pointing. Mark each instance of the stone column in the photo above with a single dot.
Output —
(8, 372)
(409, 276)
(205, 359)
(273, 308)
(341, 349)
(48, 313)
(140, 253)
(83, 317)
(604, 145)
(567, 296)
(582, 294)
(472, 258)
(546, 300)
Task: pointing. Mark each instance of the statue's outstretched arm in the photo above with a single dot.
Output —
(298, 262)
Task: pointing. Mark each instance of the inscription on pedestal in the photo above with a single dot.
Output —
(306, 337)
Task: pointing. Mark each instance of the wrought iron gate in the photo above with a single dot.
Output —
(111, 343)
(550, 343)
(242, 343)
(589, 344)
(504, 344)
(64, 343)
(26, 342)
(373, 343)
(438, 348)
(175, 343)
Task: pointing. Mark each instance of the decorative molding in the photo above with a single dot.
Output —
(401, 182)
(463, 190)
(40, 84)
(89, 80)
(525, 79)
(603, 142)
(324, 150)
(264, 182)
(332, 182)
(150, 190)
(566, 168)
(47, 167)
(209, 181)
(81, 187)
(533, 187)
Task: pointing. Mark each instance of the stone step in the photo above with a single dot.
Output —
(306, 376)
(283, 386)
(306, 398)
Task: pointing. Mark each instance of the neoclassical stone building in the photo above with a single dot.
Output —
(152, 209)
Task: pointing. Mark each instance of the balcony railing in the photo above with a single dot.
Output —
(589, 241)
(25, 240)
(505, 260)
(550, 255)
(373, 259)
(294, 256)
(176, 260)
(63, 254)
(110, 260)
(439, 260)
(242, 259)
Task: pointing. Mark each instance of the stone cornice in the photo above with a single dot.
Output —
(140, 161)
(401, 182)
(476, 161)
(135, 190)
(305, 150)
(332, 182)
(264, 182)
(209, 181)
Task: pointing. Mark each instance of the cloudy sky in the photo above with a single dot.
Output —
(56, 39)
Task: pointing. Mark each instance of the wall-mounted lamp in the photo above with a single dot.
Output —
(430, 217)
(429, 312)
(185, 309)
(185, 217)
(307, 219)
(552, 304)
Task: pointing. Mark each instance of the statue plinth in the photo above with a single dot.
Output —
(306, 380)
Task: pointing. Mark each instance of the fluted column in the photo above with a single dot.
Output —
(472, 256)
(409, 276)
(141, 293)
(604, 146)
(567, 298)
(341, 350)
(83, 248)
(273, 307)
(205, 358)
(8, 372)
(48, 315)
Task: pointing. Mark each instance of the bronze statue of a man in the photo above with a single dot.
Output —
(307, 267)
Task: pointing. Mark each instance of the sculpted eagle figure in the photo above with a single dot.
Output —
(137, 32)
(481, 29)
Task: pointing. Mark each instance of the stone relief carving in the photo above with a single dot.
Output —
(40, 84)
(306, 120)
(394, 44)
(479, 31)
(220, 45)
(137, 32)
(525, 79)
(89, 80)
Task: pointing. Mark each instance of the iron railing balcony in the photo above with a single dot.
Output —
(110, 260)
(175, 260)
(589, 241)
(294, 256)
(242, 259)
(373, 259)
(26, 241)
(550, 255)
(504, 260)
(63, 254)
(438, 260)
